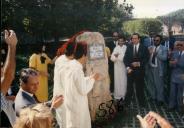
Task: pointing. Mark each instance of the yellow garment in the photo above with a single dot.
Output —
(107, 50)
(35, 62)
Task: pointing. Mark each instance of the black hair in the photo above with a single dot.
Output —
(80, 50)
(161, 38)
(122, 37)
(137, 35)
(70, 49)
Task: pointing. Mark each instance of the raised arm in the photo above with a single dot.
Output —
(10, 63)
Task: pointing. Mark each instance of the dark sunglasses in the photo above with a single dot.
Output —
(156, 40)
(179, 45)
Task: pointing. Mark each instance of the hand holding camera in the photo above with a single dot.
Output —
(151, 119)
(10, 37)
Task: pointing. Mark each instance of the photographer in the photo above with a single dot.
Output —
(7, 74)
(150, 120)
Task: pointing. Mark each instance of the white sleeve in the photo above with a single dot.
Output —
(121, 56)
(83, 84)
(113, 58)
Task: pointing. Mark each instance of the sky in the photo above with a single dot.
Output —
(153, 8)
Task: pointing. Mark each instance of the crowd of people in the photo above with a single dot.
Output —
(131, 65)
(154, 66)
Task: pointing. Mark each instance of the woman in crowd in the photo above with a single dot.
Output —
(37, 116)
(39, 61)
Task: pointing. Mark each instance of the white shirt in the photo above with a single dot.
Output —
(137, 46)
(137, 49)
(156, 60)
(116, 43)
(167, 45)
(30, 94)
(182, 53)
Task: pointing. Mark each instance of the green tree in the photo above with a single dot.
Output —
(143, 26)
(170, 18)
(42, 19)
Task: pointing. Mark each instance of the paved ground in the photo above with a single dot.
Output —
(127, 118)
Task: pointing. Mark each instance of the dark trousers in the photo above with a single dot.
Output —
(135, 78)
(176, 95)
(4, 121)
(111, 75)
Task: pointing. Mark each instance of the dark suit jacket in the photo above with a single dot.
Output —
(111, 45)
(143, 56)
(23, 100)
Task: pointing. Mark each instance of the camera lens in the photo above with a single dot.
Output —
(2, 37)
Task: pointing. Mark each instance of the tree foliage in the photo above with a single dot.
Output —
(176, 16)
(58, 18)
(143, 26)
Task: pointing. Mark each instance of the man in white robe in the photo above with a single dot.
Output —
(120, 76)
(60, 65)
(77, 86)
(59, 71)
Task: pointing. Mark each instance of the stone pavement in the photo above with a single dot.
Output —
(127, 118)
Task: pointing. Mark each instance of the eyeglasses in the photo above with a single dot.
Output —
(156, 40)
(121, 41)
(135, 38)
(179, 45)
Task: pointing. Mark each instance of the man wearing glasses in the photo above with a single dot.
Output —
(7, 74)
(158, 57)
(177, 81)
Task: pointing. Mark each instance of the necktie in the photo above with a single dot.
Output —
(180, 53)
(135, 51)
(154, 55)
(35, 99)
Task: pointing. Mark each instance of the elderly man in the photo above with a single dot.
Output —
(177, 82)
(28, 86)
